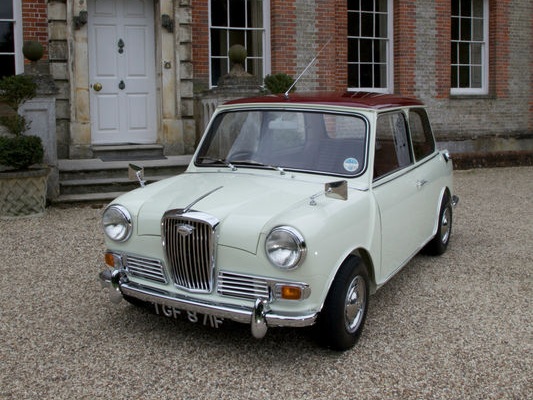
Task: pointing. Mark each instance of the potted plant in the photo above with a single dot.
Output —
(23, 178)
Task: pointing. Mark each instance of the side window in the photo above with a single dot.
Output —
(11, 61)
(392, 150)
(423, 142)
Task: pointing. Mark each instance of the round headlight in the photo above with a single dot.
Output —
(117, 223)
(285, 247)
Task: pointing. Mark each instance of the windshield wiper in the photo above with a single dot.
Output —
(218, 161)
(258, 164)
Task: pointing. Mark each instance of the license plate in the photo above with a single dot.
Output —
(191, 316)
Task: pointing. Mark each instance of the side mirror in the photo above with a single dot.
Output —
(136, 173)
(337, 190)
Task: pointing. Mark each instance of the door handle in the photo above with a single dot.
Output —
(420, 183)
(97, 86)
(121, 85)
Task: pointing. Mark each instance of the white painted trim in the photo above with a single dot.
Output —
(19, 57)
(485, 60)
(389, 86)
(16, 20)
(266, 40)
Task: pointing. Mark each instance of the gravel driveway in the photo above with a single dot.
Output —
(456, 326)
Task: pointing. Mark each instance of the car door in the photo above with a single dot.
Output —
(395, 190)
(428, 182)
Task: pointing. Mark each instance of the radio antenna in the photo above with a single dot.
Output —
(286, 94)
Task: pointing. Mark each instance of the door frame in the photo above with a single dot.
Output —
(172, 131)
(121, 103)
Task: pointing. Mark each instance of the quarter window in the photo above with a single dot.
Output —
(369, 44)
(11, 61)
(243, 22)
(392, 150)
(421, 135)
(469, 47)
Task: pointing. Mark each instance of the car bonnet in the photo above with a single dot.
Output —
(243, 203)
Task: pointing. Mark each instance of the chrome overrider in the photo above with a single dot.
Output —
(260, 316)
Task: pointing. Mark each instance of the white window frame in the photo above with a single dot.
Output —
(17, 28)
(483, 90)
(265, 44)
(389, 86)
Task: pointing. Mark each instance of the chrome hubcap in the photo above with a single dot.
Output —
(445, 225)
(354, 307)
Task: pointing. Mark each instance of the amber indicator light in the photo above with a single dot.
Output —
(291, 293)
(109, 259)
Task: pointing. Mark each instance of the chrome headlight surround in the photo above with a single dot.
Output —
(117, 223)
(285, 247)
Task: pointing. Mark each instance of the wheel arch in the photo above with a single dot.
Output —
(445, 193)
(367, 261)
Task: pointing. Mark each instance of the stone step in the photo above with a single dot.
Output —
(96, 168)
(102, 185)
(127, 152)
(98, 198)
(95, 180)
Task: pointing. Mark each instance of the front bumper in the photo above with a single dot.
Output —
(260, 316)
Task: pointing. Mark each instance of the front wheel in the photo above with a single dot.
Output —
(342, 319)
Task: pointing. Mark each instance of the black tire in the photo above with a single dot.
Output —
(439, 243)
(342, 319)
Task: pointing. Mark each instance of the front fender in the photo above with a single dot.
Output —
(333, 230)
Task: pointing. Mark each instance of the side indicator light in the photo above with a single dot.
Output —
(291, 292)
(109, 259)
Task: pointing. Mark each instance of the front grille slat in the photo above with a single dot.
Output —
(243, 286)
(145, 268)
(188, 242)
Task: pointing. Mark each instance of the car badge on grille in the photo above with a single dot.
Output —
(185, 230)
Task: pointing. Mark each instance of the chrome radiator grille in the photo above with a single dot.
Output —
(146, 268)
(244, 286)
(189, 248)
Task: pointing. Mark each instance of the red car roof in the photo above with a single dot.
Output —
(350, 99)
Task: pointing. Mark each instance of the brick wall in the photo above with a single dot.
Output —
(505, 112)
(200, 43)
(331, 23)
(283, 27)
(35, 22)
(443, 39)
(404, 47)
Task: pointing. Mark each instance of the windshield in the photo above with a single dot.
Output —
(286, 139)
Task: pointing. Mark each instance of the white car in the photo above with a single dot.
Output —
(294, 209)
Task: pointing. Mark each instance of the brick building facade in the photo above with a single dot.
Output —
(478, 85)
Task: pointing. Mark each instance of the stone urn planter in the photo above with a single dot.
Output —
(23, 193)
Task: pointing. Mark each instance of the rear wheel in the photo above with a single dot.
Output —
(342, 319)
(439, 243)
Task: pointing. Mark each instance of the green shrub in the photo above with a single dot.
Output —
(16, 89)
(279, 83)
(18, 151)
(21, 151)
(15, 124)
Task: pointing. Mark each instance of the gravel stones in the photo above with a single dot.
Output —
(455, 326)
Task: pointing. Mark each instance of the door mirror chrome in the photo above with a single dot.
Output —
(136, 173)
(337, 190)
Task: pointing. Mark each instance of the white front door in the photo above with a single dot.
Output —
(122, 71)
